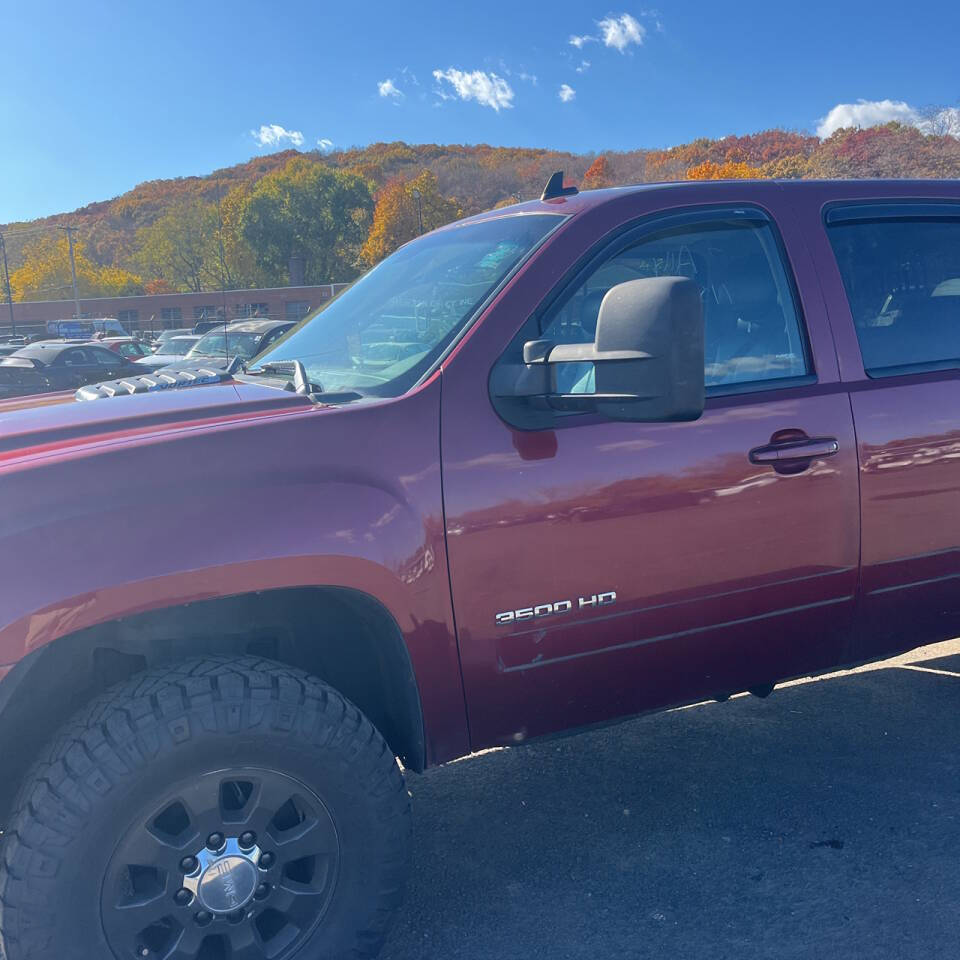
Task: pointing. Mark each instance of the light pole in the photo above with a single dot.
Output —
(418, 197)
(6, 276)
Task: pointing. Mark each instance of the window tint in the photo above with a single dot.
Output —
(751, 328)
(902, 278)
(106, 358)
(74, 358)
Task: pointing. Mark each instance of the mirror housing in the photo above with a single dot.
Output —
(647, 358)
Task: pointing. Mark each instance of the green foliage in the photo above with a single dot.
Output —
(181, 247)
(306, 209)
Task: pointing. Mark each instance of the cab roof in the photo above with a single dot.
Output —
(699, 191)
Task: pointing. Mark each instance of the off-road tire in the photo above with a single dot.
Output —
(186, 719)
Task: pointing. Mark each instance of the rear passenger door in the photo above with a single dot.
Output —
(601, 568)
(898, 289)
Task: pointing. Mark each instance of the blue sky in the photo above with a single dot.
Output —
(97, 96)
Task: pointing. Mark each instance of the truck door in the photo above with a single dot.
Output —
(899, 283)
(602, 568)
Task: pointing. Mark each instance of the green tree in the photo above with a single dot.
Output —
(307, 210)
(181, 247)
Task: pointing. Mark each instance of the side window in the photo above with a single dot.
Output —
(107, 358)
(902, 278)
(74, 358)
(271, 336)
(751, 326)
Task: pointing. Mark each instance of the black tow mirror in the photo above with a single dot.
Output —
(647, 359)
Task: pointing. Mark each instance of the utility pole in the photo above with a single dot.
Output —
(223, 283)
(6, 276)
(419, 198)
(73, 273)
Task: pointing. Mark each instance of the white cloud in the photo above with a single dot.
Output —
(529, 77)
(487, 89)
(865, 113)
(620, 32)
(872, 113)
(387, 88)
(566, 93)
(324, 144)
(579, 42)
(273, 135)
(584, 66)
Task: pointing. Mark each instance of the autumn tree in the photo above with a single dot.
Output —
(397, 215)
(44, 273)
(731, 170)
(794, 166)
(307, 210)
(239, 258)
(597, 175)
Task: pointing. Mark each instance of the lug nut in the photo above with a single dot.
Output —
(189, 864)
(215, 841)
(248, 839)
(203, 918)
(262, 891)
(182, 897)
(266, 861)
(238, 916)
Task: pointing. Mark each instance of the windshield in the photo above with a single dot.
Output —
(382, 333)
(180, 346)
(220, 344)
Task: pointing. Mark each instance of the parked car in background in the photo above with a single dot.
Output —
(85, 329)
(52, 365)
(128, 347)
(204, 326)
(165, 335)
(243, 339)
(7, 348)
(171, 351)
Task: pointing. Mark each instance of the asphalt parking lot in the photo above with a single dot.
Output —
(823, 822)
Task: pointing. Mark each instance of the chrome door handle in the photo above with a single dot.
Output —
(807, 449)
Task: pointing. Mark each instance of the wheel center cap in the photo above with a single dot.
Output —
(227, 884)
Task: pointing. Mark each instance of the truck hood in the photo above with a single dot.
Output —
(51, 423)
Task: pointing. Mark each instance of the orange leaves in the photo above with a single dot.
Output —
(400, 207)
(597, 175)
(731, 170)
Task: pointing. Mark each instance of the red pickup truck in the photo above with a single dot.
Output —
(548, 467)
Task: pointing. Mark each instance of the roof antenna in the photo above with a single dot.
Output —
(555, 188)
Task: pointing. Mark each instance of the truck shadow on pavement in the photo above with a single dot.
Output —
(823, 822)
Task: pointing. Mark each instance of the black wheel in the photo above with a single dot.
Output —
(213, 810)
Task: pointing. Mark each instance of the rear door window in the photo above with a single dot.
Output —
(901, 271)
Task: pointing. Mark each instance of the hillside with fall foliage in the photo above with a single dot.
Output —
(342, 211)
